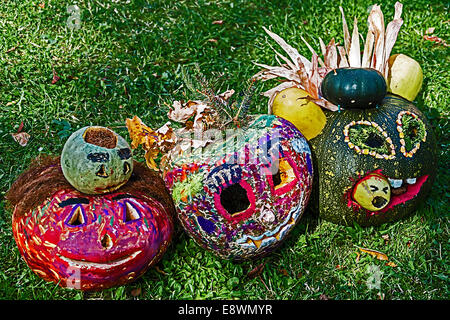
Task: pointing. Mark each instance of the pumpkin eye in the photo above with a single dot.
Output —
(235, 202)
(130, 212)
(285, 177)
(234, 199)
(77, 217)
(126, 168)
(369, 138)
(411, 131)
(124, 153)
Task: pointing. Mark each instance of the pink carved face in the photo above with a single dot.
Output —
(93, 242)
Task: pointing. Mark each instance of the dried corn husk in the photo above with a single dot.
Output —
(308, 75)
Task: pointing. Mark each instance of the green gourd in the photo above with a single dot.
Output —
(354, 88)
(96, 160)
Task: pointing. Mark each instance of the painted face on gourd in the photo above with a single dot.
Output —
(93, 242)
(375, 165)
(242, 196)
(96, 160)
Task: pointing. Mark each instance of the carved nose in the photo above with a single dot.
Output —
(107, 242)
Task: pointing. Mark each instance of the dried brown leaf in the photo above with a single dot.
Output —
(368, 48)
(331, 55)
(136, 292)
(256, 271)
(343, 62)
(21, 138)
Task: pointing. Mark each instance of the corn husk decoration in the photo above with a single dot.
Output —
(307, 75)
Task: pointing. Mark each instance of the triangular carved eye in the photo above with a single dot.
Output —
(130, 212)
(411, 131)
(76, 217)
(366, 137)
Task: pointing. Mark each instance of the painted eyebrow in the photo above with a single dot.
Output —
(123, 196)
(72, 201)
(98, 157)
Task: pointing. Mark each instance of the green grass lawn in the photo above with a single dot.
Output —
(127, 59)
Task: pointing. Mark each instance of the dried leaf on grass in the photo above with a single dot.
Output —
(21, 138)
(256, 271)
(376, 254)
(436, 40)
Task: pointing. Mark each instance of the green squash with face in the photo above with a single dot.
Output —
(374, 165)
(96, 160)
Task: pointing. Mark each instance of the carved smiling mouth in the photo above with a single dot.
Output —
(403, 190)
(269, 237)
(100, 265)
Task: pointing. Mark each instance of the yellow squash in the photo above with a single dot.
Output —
(307, 116)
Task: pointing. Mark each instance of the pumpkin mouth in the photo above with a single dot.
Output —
(99, 265)
(404, 190)
(272, 236)
(401, 191)
(110, 188)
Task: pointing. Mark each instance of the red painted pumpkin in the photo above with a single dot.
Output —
(92, 242)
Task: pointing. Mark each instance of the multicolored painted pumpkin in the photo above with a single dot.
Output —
(96, 160)
(241, 196)
(90, 242)
(374, 165)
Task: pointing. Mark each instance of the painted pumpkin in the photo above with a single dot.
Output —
(90, 242)
(374, 165)
(96, 160)
(241, 196)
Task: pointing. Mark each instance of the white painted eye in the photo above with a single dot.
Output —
(411, 181)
